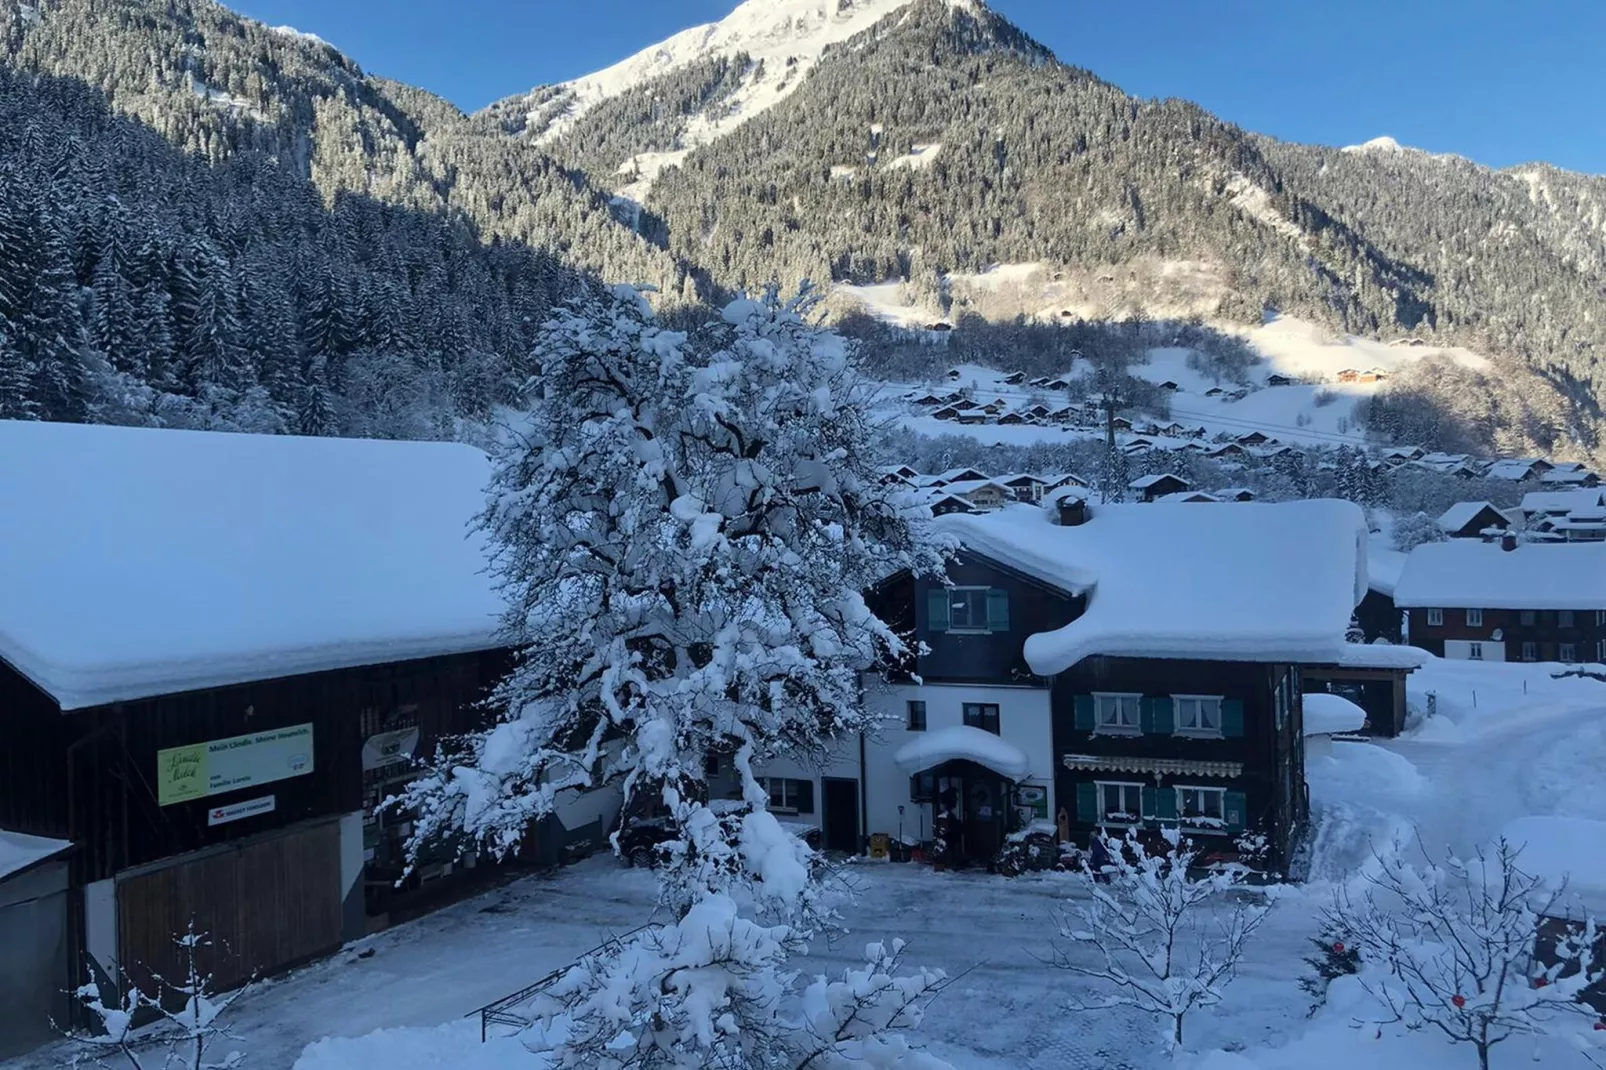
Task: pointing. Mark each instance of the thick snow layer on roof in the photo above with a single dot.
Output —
(19, 851)
(1561, 501)
(1382, 656)
(1247, 582)
(962, 742)
(1482, 575)
(1328, 714)
(1383, 568)
(1461, 514)
(1562, 848)
(143, 562)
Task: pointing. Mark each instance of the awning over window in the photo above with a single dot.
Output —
(1155, 767)
(962, 743)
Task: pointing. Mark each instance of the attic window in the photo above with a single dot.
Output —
(967, 609)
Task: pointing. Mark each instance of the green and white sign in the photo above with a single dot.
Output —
(202, 769)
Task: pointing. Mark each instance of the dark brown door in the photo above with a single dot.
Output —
(266, 904)
(840, 817)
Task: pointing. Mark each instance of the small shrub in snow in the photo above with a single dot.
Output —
(1414, 529)
(181, 1039)
(686, 534)
(1150, 936)
(1456, 943)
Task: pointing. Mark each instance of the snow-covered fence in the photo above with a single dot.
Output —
(504, 1011)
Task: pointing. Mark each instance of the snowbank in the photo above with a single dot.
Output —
(1361, 773)
(154, 561)
(962, 742)
(1482, 575)
(1327, 714)
(18, 851)
(453, 1046)
(1563, 848)
(1249, 582)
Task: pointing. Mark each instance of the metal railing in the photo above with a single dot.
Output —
(501, 1011)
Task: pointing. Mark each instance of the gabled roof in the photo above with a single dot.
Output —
(1482, 575)
(1461, 514)
(139, 562)
(1145, 482)
(1561, 501)
(1514, 470)
(1257, 582)
(1187, 496)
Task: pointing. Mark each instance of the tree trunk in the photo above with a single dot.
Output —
(1483, 1056)
(1177, 1035)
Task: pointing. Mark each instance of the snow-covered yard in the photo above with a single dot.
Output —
(1506, 742)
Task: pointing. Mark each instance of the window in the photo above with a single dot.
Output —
(1200, 715)
(1475, 617)
(1600, 650)
(917, 715)
(1435, 617)
(1530, 652)
(790, 796)
(1117, 713)
(1202, 807)
(1526, 618)
(1600, 618)
(1569, 652)
(1475, 651)
(982, 715)
(1120, 804)
(710, 764)
(1564, 618)
(967, 609)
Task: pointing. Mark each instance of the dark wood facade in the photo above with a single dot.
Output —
(995, 653)
(1257, 758)
(1485, 518)
(1525, 634)
(1380, 618)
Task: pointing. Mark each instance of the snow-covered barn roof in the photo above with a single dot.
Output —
(1253, 582)
(19, 851)
(1461, 514)
(143, 562)
(1561, 501)
(1145, 482)
(1482, 575)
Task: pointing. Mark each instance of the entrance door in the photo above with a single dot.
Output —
(984, 815)
(840, 817)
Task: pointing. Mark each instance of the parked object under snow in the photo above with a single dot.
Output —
(1253, 582)
(1327, 715)
(962, 743)
(145, 562)
(1487, 576)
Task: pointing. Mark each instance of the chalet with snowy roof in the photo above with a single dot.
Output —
(1506, 600)
(218, 653)
(1227, 451)
(928, 400)
(1402, 454)
(1214, 392)
(941, 502)
(1473, 520)
(1056, 384)
(1158, 486)
(947, 412)
(1068, 479)
(974, 416)
(1013, 419)
(1516, 470)
(1348, 375)
(1235, 494)
(1014, 378)
(1253, 438)
(1024, 486)
(1279, 379)
(1116, 666)
(1570, 477)
(1185, 497)
(980, 493)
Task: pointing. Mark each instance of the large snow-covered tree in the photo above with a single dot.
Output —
(686, 529)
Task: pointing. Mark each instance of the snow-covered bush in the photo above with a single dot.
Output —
(179, 1039)
(1456, 940)
(1154, 937)
(1414, 529)
(685, 532)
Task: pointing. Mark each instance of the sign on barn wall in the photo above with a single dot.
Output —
(389, 748)
(201, 769)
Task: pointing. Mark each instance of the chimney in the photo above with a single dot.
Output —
(1072, 511)
(1508, 541)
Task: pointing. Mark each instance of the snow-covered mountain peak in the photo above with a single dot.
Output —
(786, 36)
(1377, 144)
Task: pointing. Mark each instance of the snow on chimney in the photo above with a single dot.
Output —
(1508, 541)
(1072, 511)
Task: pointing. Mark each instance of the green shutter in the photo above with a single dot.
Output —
(1234, 806)
(1164, 715)
(1087, 803)
(997, 609)
(1166, 811)
(1232, 718)
(1145, 716)
(1150, 804)
(1083, 704)
(937, 609)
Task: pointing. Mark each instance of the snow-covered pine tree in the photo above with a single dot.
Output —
(685, 532)
(1336, 956)
(16, 380)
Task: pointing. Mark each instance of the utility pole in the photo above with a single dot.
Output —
(1112, 486)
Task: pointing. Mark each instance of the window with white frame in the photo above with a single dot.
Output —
(1475, 617)
(967, 609)
(790, 796)
(1475, 651)
(1117, 713)
(1119, 803)
(1530, 652)
(1435, 617)
(1202, 808)
(1198, 715)
(1569, 652)
(1600, 618)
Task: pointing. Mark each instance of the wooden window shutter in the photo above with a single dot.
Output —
(1166, 811)
(1232, 718)
(1158, 716)
(1151, 803)
(1087, 803)
(1234, 805)
(1083, 705)
(937, 609)
(997, 609)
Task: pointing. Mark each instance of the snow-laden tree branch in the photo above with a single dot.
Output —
(686, 528)
(170, 1039)
(1456, 940)
(1150, 936)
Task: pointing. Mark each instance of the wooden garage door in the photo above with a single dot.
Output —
(266, 904)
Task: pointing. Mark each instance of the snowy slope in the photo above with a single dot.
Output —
(786, 36)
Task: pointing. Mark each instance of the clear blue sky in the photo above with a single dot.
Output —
(1499, 81)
